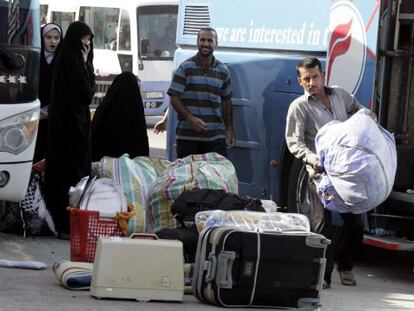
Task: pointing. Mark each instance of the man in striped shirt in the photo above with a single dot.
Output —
(201, 94)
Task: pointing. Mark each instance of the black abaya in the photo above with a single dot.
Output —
(68, 157)
(118, 125)
(45, 87)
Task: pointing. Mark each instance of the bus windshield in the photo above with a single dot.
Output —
(16, 23)
(104, 23)
(156, 31)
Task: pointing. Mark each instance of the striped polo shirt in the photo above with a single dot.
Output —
(202, 92)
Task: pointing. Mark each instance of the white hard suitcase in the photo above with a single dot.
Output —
(138, 268)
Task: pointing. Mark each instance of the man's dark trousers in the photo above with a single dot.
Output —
(187, 147)
(346, 239)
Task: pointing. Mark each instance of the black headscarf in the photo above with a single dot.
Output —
(68, 157)
(72, 68)
(118, 125)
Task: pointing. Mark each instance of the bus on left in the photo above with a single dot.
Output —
(19, 106)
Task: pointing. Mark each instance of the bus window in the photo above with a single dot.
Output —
(156, 31)
(103, 22)
(124, 45)
(124, 32)
(43, 13)
(64, 19)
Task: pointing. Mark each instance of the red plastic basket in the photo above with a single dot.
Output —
(39, 167)
(85, 229)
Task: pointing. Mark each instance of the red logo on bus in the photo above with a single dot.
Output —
(347, 47)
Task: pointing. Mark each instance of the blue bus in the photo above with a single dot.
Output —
(366, 47)
(261, 45)
(19, 106)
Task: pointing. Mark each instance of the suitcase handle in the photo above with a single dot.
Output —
(146, 236)
(211, 268)
(224, 277)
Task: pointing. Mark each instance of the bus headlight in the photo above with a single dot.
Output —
(18, 132)
(4, 178)
(154, 95)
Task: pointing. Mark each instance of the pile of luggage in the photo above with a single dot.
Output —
(241, 251)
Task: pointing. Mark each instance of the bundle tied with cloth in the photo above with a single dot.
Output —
(360, 161)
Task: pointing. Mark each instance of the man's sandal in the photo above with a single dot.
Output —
(347, 278)
(326, 285)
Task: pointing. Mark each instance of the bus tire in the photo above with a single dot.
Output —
(297, 197)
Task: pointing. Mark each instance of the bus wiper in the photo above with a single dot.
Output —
(141, 63)
(9, 60)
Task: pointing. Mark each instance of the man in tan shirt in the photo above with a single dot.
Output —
(319, 105)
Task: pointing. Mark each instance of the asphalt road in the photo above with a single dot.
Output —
(385, 282)
(385, 279)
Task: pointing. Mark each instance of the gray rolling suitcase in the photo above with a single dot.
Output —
(239, 268)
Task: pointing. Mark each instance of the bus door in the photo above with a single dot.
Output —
(391, 49)
(19, 106)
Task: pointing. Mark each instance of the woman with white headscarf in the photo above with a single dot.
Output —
(51, 37)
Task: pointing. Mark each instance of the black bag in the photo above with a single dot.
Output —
(188, 236)
(191, 202)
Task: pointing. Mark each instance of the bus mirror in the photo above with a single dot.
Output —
(145, 47)
(10, 60)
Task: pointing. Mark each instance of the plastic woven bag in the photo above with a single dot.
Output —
(253, 221)
(202, 171)
(136, 177)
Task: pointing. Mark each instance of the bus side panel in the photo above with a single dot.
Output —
(352, 65)
(259, 120)
(16, 188)
(277, 145)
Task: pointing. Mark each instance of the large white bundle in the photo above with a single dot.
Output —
(360, 161)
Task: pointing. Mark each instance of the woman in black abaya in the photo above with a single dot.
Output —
(51, 37)
(68, 157)
(118, 125)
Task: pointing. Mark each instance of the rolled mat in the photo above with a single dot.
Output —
(73, 275)
(32, 265)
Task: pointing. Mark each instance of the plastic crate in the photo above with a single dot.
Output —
(85, 229)
(39, 167)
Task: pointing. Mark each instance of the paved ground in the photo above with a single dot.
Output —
(386, 285)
